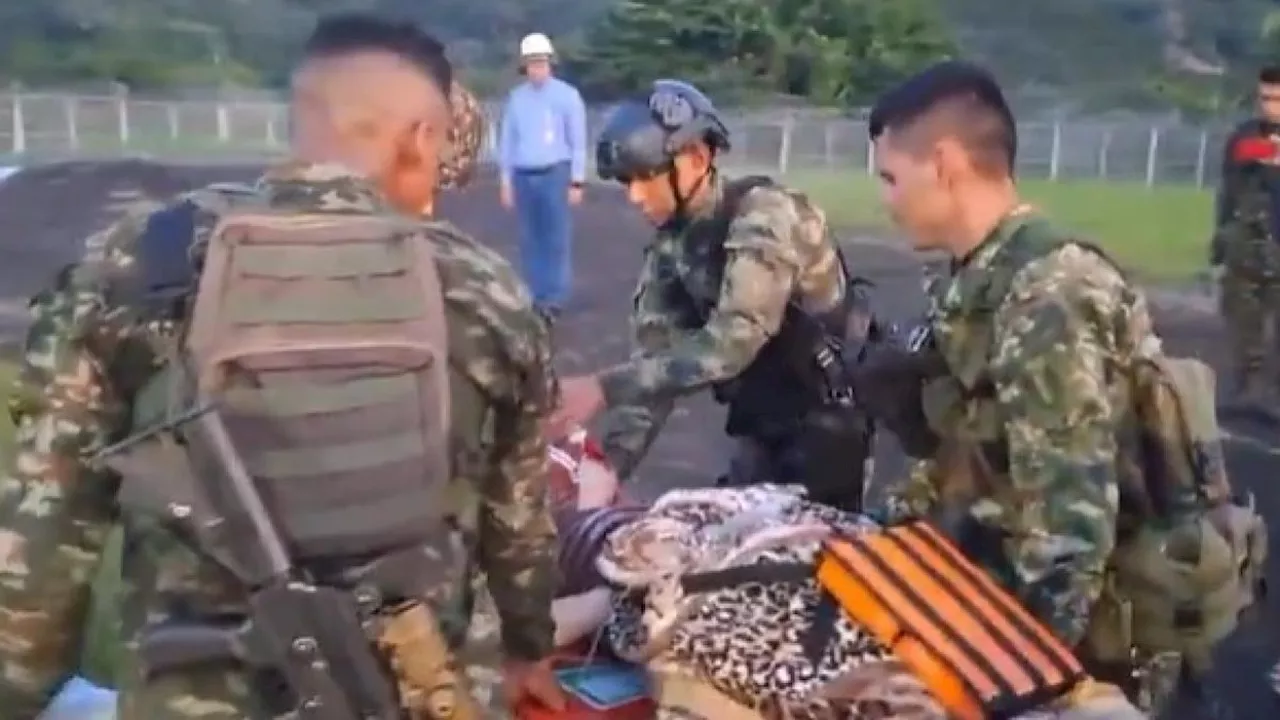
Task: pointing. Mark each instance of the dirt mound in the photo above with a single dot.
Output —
(48, 211)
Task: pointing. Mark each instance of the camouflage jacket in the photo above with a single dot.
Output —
(1247, 216)
(89, 351)
(712, 291)
(1029, 420)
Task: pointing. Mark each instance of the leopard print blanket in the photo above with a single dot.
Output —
(749, 641)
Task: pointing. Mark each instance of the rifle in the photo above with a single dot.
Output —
(319, 639)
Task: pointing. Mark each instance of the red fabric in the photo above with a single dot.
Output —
(1254, 149)
(592, 450)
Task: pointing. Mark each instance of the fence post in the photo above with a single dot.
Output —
(1055, 152)
(871, 157)
(1153, 152)
(1202, 157)
(122, 115)
(224, 124)
(18, 119)
(784, 146)
(1104, 155)
(175, 121)
(71, 117)
(829, 143)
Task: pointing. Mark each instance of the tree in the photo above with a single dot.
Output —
(826, 51)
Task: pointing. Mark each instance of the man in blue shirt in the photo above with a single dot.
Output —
(543, 158)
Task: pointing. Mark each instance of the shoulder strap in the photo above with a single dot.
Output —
(1036, 238)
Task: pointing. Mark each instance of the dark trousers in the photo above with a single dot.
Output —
(546, 232)
(753, 462)
(1251, 307)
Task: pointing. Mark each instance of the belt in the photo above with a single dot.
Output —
(541, 169)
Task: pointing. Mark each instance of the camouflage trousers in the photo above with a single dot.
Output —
(1250, 307)
(483, 653)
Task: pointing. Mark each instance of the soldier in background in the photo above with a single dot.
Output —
(1245, 252)
(372, 116)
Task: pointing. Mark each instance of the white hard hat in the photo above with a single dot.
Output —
(536, 45)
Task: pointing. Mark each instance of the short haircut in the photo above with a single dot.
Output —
(1269, 75)
(351, 33)
(955, 99)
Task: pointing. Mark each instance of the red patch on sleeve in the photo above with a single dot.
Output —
(1254, 149)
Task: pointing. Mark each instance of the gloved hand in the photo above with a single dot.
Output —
(888, 379)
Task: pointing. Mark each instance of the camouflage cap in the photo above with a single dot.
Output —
(466, 139)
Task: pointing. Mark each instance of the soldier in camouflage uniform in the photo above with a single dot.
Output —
(1245, 251)
(371, 121)
(742, 292)
(466, 138)
(1028, 371)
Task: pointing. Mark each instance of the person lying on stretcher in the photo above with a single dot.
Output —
(747, 639)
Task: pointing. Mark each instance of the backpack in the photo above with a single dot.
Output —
(1189, 553)
(322, 338)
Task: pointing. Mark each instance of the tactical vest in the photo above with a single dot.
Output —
(1187, 556)
(322, 339)
(783, 383)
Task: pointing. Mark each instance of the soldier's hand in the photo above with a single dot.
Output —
(523, 682)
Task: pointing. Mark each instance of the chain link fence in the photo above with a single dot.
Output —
(38, 127)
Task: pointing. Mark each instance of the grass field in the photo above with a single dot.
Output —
(1161, 233)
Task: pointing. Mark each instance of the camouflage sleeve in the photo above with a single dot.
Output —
(56, 509)
(1050, 375)
(912, 497)
(517, 537)
(762, 267)
(632, 427)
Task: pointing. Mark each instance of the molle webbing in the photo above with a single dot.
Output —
(982, 654)
(323, 337)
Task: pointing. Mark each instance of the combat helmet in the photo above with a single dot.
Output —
(643, 135)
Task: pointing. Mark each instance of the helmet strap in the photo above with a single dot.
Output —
(681, 213)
